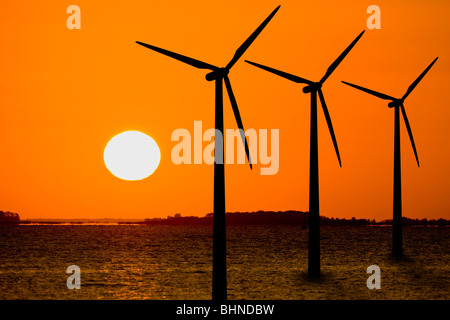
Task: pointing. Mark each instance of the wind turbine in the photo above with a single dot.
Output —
(220, 75)
(315, 88)
(397, 104)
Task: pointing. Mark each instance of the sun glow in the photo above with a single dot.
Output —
(132, 155)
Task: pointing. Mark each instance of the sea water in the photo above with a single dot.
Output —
(263, 262)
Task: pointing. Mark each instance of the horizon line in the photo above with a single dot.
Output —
(179, 215)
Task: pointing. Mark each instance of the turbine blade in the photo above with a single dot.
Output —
(237, 115)
(240, 51)
(330, 125)
(415, 83)
(193, 62)
(372, 92)
(335, 64)
(281, 73)
(408, 127)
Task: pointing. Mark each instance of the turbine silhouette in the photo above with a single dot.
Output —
(397, 104)
(220, 75)
(315, 88)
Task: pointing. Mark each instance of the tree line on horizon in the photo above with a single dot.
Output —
(290, 217)
(9, 217)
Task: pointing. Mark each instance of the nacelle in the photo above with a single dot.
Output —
(395, 103)
(216, 74)
(312, 87)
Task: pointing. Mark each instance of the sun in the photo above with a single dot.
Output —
(132, 155)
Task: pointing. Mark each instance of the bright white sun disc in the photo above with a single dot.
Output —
(132, 155)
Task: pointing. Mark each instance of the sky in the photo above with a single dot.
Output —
(64, 93)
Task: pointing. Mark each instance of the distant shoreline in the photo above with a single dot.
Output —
(294, 218)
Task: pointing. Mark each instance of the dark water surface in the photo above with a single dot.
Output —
(175, 262)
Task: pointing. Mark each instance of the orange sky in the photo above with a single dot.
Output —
(65, 93)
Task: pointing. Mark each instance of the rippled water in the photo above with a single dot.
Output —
(175, 262)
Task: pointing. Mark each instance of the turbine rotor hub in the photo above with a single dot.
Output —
(395, 103)
(217, 74)
(312, 87)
